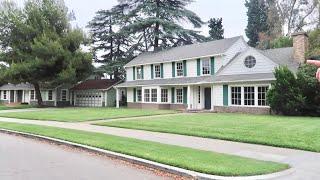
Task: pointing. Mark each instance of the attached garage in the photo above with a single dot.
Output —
(94, 93)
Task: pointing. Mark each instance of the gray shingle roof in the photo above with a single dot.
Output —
(200, 80)
(21, 86)
(282, 56)
(185, 52)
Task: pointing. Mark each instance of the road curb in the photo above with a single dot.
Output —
(148, 163)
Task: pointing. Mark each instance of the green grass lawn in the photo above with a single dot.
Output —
(187, 158)
(4, 107)
(83, 114)
(291, 132)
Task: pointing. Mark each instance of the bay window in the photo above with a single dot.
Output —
(249, 96)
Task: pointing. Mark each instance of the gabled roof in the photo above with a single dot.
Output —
(97, 84)
(20, 86)
(212, 48)
(282, 56)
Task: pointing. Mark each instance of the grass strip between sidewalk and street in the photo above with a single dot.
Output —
(187, 158)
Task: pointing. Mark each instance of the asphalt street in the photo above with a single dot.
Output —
(27, 159)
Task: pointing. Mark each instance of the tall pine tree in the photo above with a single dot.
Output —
(257, 20)
(159, 22)
(216, 30)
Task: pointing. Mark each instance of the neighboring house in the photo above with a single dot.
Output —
(25, 93)
(94, 93)
(224, 76)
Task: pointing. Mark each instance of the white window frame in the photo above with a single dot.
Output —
(157, 71)
(146, 93)
(178, 70)
(51, 95)
(5, 95)
(154, 95)
(179, 96)
(209, 67)
(139, 97)
(61, 98)
(262, 93)
(32, 95)
(235, 99)
(249, 96)
(139, 72)
(164, 95)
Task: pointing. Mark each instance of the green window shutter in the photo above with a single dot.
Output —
(173, 69)
(184, 68)
(152, 71)
(212, 65)
(185, 95)
(225, 95)
(198, 67)
(134, 73)
(172, 95)
(142, 73)
(134, 94)
(161, 70)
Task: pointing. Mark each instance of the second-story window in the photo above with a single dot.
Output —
(139, 72)
(157, 71)
(206, 66)
(179, 69)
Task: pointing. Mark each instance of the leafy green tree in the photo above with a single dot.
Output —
(39, 46)
(216, 30)
(314, 44)
(292, 101)
(281, 42)
(310, 88)
(257, 20)
(158, 22)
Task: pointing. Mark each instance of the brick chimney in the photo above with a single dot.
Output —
(300, 46)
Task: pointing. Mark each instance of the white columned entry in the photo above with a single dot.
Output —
(189, 99)
(117, 98)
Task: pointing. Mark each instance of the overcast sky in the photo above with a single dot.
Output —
(233, 12)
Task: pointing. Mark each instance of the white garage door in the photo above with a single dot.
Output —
(89, 99)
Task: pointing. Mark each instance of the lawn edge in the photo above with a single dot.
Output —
(211, 137)
(144, 162)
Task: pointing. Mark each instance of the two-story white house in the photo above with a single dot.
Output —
(223, 75)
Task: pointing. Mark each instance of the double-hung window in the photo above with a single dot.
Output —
(50, 95)
(157, 71)
(236, 95)
(249, 96)
(147, 95)
(180, 69)
(262, 95)
(63, 95)
(206, 68)
(164, 95)
(32, 95)
(139, 72)
(139, 97)
(154, 95)
(5, 95)
(179, 95)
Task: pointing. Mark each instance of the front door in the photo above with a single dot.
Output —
(207, 98)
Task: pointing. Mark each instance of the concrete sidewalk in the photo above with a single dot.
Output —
(306, 164)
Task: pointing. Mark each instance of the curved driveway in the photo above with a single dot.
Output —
(26, 159)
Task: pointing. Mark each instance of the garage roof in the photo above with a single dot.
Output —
(102, 84)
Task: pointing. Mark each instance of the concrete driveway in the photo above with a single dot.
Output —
(27, 159)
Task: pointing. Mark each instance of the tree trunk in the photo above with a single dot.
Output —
(156, 29)
(38, 94)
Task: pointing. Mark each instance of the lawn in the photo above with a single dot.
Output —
(291, 132)
(187, 158)
(83, 114)
(21, 106)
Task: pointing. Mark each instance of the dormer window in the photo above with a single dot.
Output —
(139, 72)
(179, 69)
(206, 68)
(157, 71)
